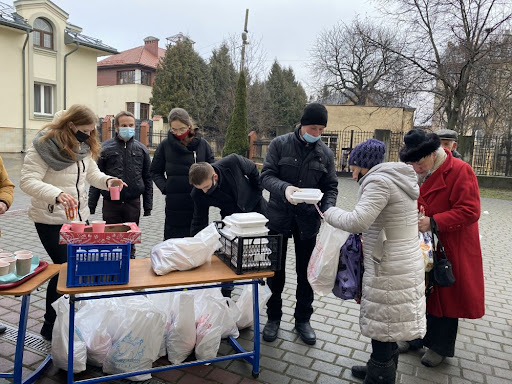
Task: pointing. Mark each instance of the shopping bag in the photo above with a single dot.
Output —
(350, 269)
(323, 264)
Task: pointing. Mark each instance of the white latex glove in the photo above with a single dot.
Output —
(289, 191)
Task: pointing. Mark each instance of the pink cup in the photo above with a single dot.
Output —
(115, 192)
(77, 226)
(98, 226)
(4, 268)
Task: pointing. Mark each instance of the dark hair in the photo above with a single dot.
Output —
(418, 144)
(199, 173)
(121, 114)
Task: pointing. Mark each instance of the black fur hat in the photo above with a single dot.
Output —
(418, 144)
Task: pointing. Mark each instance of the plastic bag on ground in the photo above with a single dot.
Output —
(186, 253)
(138, 332)
(60, 337)
(93, 326)
(181, 336)
(323, 265)
(244, 304)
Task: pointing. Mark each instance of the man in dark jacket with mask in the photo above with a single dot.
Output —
(297, 160)
(128, 159)
(231, 184)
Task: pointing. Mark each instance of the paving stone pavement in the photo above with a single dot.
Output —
(483, 351)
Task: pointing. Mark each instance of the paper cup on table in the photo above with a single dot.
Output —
(98, 226)
(77, 226)
(22, 252)
(5, 254)
(23, 264)
(115, 192)
(4, 267)
(12, 263)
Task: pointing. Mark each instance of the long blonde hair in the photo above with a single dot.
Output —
(60, 130)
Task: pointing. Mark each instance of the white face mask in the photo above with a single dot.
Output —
(126, 132)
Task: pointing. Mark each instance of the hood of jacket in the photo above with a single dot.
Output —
(401, 174)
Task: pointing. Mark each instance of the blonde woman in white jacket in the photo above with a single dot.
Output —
(393, 291)
(54, 174)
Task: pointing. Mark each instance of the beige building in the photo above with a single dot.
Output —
(47, 65)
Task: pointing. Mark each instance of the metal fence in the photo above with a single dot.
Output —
(488, 155)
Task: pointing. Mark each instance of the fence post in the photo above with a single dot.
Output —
(384, 135)
(253, 136)
(144, 131)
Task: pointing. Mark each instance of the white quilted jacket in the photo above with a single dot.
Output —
(44, 184)
(393, 299)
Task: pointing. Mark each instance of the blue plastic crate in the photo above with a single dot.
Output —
(98, 264)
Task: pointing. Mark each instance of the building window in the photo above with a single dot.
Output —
(145, 76)
(130, 107)
(43, 34)
(144, 111)
(43, 99)
(126, 77)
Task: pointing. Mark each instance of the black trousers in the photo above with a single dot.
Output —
(304, 293)
(122, 212)
(441, 334)
(383, 351)
(49, 236)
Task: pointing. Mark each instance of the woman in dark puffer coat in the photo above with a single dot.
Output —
(183, 147)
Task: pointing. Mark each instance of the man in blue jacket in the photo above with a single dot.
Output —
(128, 159)
(297, 160)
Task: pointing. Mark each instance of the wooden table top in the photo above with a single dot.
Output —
(34, 282)
(143, 277)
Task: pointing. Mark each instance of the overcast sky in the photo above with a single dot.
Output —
(287, 28)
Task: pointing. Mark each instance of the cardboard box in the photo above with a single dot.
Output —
(114, 234)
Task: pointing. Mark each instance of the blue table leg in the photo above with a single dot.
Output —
(256, 323)
(71, 338)
(20, 343)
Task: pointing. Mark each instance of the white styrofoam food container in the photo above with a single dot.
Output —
(308, 196)
(247, 220)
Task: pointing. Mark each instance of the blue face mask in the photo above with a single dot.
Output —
(126, 132)
(311, 139)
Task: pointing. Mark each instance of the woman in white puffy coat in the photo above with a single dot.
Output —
(55, 172)
(393, 299)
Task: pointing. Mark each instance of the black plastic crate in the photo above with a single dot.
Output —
(250, 253)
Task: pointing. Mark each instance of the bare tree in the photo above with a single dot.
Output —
(255, 56)
(361, 62)
(447, 39)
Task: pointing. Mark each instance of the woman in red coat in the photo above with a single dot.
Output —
(449, 194)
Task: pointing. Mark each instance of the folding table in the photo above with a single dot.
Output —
(142, 277)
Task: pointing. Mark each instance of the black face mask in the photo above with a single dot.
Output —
(359, 177)
(212, 188)
(81, 137)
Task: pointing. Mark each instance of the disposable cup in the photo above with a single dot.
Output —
(23, 264)
(23, 252)
(4, 268)
(1, 250)
(6, 254)
(77, 226)
(12, 263)
(71, 212)
(98, 226)
(115, 192)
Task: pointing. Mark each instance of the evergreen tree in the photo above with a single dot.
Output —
(183, 79)
(237, 140)
(224, 83)
(259, 113)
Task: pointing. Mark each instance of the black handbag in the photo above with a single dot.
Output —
(442, 272)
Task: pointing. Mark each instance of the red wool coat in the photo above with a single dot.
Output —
(451, 196)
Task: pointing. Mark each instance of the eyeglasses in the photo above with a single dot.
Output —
(179, 131)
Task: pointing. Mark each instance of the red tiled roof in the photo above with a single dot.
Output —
(137, 55)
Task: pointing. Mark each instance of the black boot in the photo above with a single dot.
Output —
(380, 373)
(270, 330)
(47, 330)
(359, 371)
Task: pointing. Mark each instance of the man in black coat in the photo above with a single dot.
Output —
(297, 160)
(231, 184)
(126, 158)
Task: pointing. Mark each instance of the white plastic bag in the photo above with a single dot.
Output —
(181, 336)
(139, 330)
(209, 326)
(186, 253)
(244, 304)
(93, 325)
(60, 337)
(323, 265)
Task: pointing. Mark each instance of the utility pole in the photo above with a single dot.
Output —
(244, 40)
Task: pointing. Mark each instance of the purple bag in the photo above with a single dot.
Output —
(350, 269)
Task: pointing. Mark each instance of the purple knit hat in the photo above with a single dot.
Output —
(367, 154)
